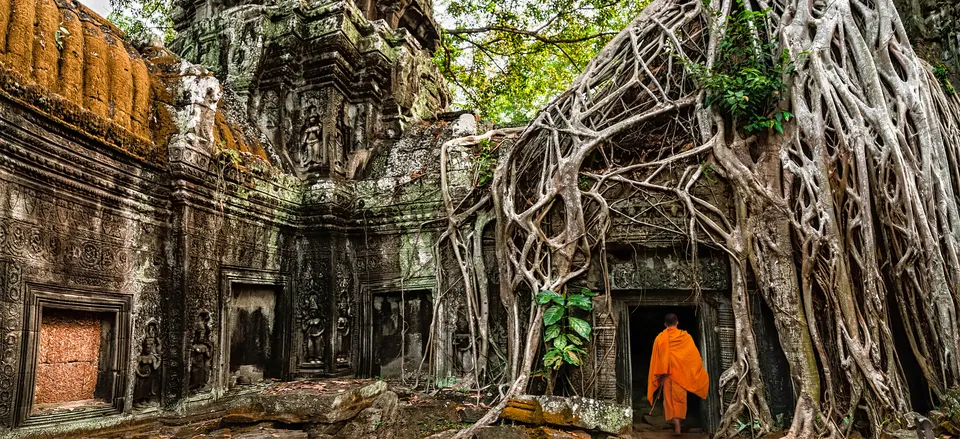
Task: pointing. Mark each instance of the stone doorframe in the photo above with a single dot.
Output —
(230, 276)
(707, 306)
(363, 357)
(117, 360)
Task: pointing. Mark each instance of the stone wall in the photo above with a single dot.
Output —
(934, 29)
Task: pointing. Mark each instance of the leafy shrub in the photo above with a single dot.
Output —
(563, 332)
(943, 75)
(745, 82)
(486, 157)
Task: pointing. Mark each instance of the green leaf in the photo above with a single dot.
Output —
(587, 292)
(581, 327)
(560, 342)
(544, 297)
(574, 339)
(553, 315)
(579, 301)
(572, 358)
(552, 357)
(551, 332)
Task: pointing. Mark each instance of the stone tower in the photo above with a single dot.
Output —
(324, 81)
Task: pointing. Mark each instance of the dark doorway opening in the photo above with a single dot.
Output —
(255, 339)
(646, 322)
(401, 327)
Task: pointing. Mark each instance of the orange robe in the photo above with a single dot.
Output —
(676, 359)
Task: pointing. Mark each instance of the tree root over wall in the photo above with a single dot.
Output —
(848, 216)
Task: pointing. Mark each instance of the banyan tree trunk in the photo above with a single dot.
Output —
(847, 217)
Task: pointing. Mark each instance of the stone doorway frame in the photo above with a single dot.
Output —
(709, 341)
(230, 276)
(117, 305)
(363, 354)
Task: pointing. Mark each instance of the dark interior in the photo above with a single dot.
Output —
(401, 327)
(646, 322)
(254, 334)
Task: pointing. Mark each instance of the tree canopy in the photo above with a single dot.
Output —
(507, 59)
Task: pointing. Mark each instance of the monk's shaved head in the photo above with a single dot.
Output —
(670, 320)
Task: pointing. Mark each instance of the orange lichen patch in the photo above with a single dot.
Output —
(14, 86)
(73, 66)
(226, 136)
(71, 57)
(96, 83)
(121, 82)
(4, 24)
(140, 108)
(20, 34)
(46, 53)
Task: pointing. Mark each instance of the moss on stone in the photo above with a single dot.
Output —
(17, 88)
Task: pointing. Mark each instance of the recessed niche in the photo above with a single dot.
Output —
(68, 359)
(255, 350)
(77, 347)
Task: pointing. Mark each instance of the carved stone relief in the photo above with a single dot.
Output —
(201, 352)
(147, 386)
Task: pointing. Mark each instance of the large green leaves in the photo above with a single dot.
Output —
(564, 332)
(553, 315)
(580, 326)
(507, 58)
(546, 296)
(579, 301)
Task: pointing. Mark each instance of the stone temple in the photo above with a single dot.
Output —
(258, 202)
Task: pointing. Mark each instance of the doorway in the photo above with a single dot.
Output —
(646, 322)
(255, 351)
(401, 328)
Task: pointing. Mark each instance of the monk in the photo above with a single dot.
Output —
(676, 366)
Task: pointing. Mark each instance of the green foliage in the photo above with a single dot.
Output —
(747, 426)
(564, 333)
(746, 81)
(943, 75)
(507, 59)
(950, 407)
(59, 35)
(142, 19)
(486, 157)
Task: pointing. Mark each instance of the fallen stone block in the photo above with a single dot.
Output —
(575, 411)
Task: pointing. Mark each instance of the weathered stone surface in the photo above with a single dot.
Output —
(471, 414)
(574, 411)
(310, 406)
(374, 422)
(503, 432)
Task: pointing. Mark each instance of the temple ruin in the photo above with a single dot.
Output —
(259, 202)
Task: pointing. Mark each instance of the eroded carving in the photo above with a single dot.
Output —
(147, 388)
(201, 352)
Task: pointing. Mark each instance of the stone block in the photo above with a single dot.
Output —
(586, 413)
